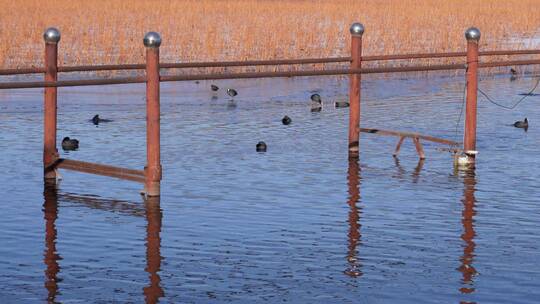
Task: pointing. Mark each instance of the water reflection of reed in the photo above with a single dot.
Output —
(354, 235)
(151, 209)
(466, 268)
(51, 257)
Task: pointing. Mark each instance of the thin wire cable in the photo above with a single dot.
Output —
(517, 103)
(461, 110)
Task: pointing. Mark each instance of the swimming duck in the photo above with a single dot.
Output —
(513, 73)
(232, 92)
(316, 103)
(69, 144)
(316, 98)
(96, 120)
(214, 87)
(261, 146)
(341, 104)
(522, 124)
(286, 120)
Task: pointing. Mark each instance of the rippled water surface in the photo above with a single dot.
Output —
(299, 223)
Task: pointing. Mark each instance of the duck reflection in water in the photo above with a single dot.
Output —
(354, 235)
(469, 201)
(152, 210)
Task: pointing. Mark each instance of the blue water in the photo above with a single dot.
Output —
(299, 223)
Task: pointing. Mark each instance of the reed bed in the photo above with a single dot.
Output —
(110, 32)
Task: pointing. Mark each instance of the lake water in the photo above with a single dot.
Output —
(299, 223)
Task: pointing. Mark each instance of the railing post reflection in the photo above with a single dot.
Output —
(50, 256)
(417, 170)
(415, 174)
(153, 291)
(353, 182)
(469, 201)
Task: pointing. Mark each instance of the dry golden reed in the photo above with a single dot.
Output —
(111, 31)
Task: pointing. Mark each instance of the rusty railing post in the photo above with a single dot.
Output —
(469, 137)
(357, 29)
(50, 153)
(152, 41)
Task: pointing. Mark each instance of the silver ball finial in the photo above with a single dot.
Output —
(472, 34)
(152, 39)
(51, 35)
(357, 29)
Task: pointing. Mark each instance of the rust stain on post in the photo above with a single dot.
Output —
(50, 153)
(153, 167)
(469, 140)
(354, 95)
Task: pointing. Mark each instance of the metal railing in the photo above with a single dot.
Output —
(151, 176)
(222, 64)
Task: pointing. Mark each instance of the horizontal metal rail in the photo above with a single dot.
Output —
(89, 82)
(448, 55)
(70, 83)
(215, 76)
(6, 72)
(508, 63)
(327, 72)
(210, 64)
(410, 135)
(218, 64)
(99, 169)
